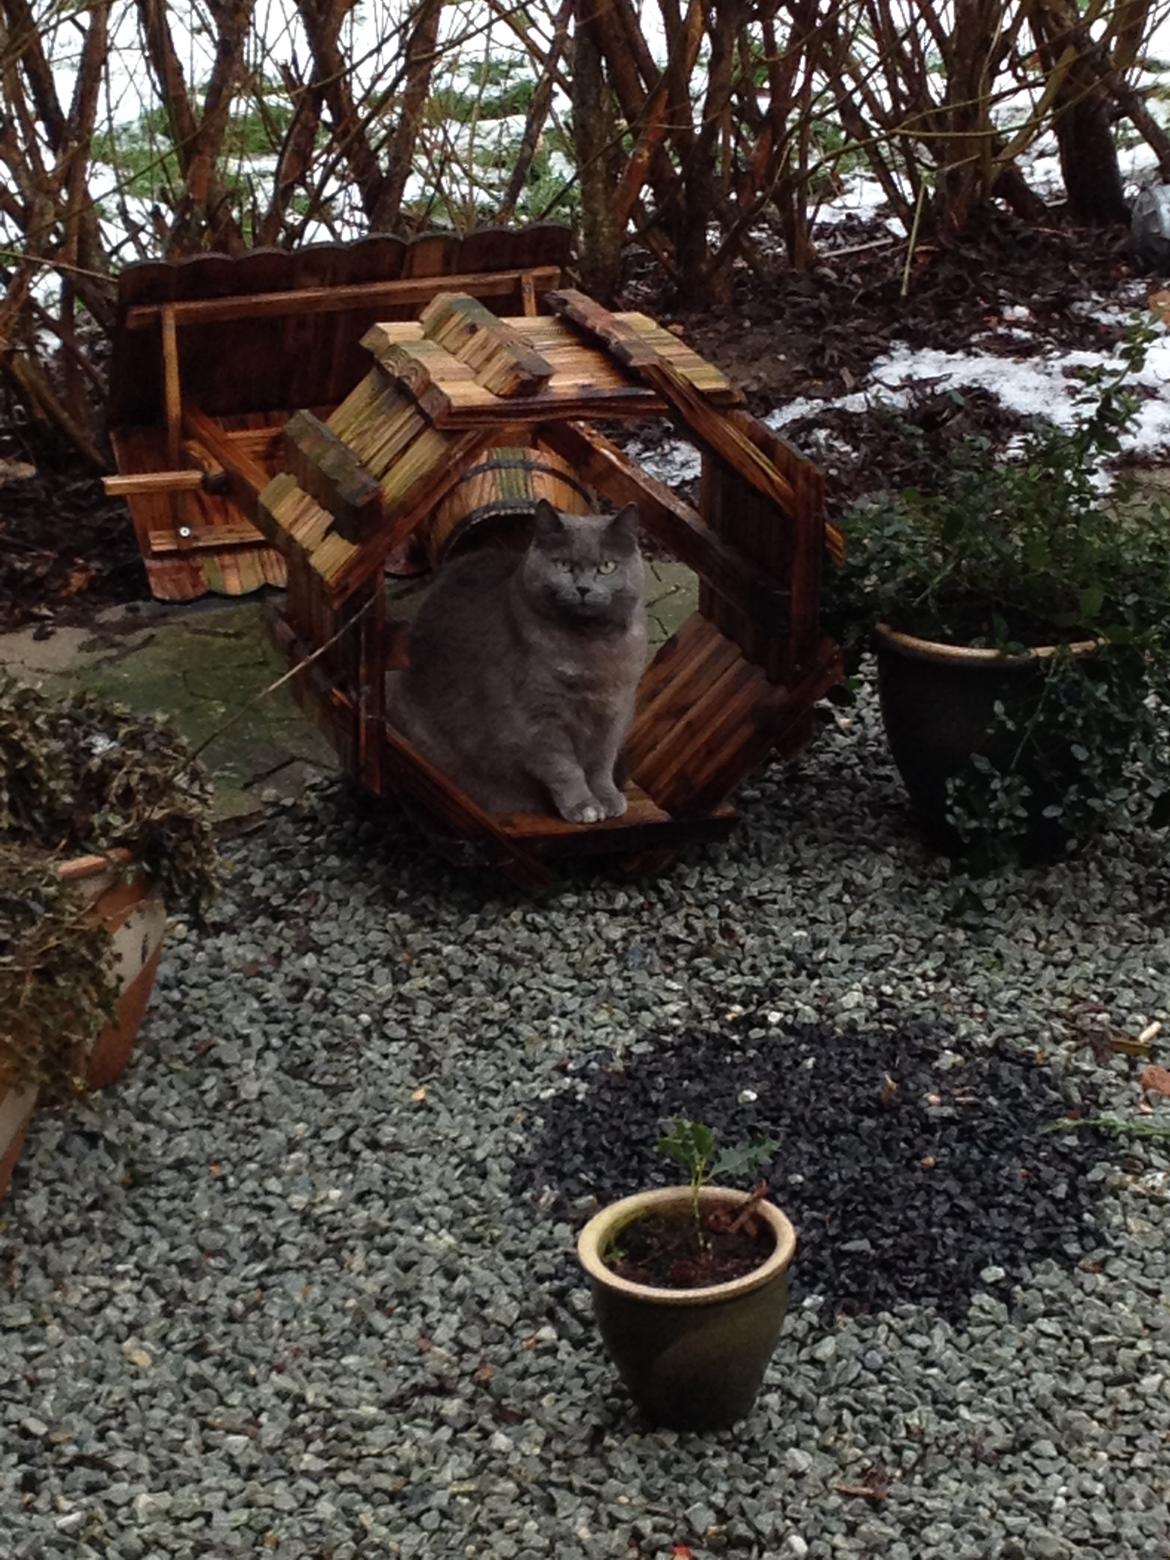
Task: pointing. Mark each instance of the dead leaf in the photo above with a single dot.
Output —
(870, 1492)
(888, 1092)
(420, 1094)
(1155, 1080)
(78, 578)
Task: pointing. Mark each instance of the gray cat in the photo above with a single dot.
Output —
(523, 670)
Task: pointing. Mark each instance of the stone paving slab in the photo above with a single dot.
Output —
(196, 664)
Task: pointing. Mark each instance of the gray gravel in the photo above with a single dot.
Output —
(272, 1294)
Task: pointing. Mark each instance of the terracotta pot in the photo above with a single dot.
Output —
(133, 913)
(938, 708)
(693, 1359)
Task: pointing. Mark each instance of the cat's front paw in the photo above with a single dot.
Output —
(587, 811)
(612, 802)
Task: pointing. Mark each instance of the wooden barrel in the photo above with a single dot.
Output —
(493, 502)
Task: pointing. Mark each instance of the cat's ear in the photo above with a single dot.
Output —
(546, 520)
(624, 525)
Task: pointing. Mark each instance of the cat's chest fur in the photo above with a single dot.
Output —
(593, 670)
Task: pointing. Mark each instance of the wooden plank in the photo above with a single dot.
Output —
(736, 742)
(670, 656)
(701, 692)
(500, 358)
(333, 300)
(327, 706)
(673, 521)
(204, 536)
(182, 481)
(172, 398)
(704, 656)
(328, 471)
(643, 827)
(812, 536)
(215, 478)
(406, 769)
(248, 476)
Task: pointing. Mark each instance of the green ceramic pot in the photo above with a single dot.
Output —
(693, 1359)
(938, 706)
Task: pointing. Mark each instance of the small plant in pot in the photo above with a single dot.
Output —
(104, 824)
(1021, 620)
(690, 1284)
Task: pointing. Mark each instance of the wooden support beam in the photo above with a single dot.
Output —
(215, 478)
(680, 528)
(172, 396)
(135, 482)
(335, 300)
(328, 470)
(237, 534)
(499, 357)
(247, 476)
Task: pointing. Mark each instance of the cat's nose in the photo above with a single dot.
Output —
(583, 591)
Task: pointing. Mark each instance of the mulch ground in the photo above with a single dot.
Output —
(66, 551)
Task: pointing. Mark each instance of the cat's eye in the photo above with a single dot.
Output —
(607, 566)
(565, 563)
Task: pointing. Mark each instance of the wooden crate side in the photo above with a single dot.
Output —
(706, 769)
(755, 526)
(688, 676)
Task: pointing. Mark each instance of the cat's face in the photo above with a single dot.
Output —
(584, 567)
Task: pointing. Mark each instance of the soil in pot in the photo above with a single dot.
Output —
(663, 1250)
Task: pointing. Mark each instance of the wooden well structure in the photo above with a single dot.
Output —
(737, 680)
(211, 354)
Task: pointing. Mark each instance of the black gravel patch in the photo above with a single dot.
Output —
(905, 1180)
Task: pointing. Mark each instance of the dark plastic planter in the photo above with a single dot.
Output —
(938, 706)
(693, 1359)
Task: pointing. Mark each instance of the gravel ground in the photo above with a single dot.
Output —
(303, 1283)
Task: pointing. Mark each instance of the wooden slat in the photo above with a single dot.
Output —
(500, 358)
(675, 523)
(644, 826)
(716, 760)
(328, 470)
(248, 476)
(332, 300)
(204, 536)
(811, 538)
(215, 478)
(181, 481)
(657, 721)
(406, 769)
(172, 395)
